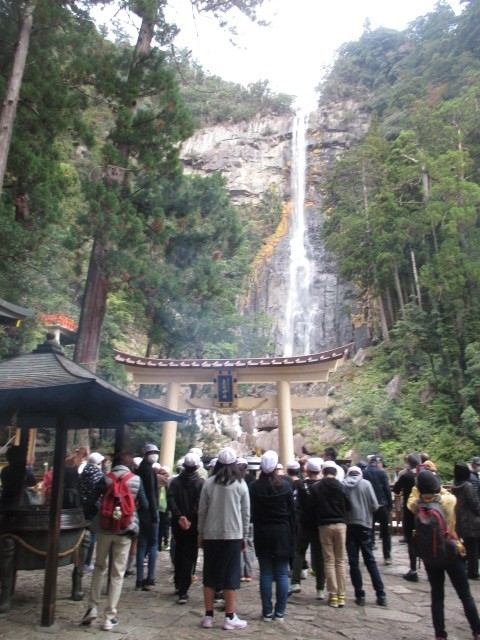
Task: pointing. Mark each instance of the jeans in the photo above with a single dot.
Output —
(458, 576)
(147, 545)
(332, 539)
(382, 516)
(273, 569)
(248, 554)
(359, 539)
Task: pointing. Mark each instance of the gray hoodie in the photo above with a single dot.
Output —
(363, 499)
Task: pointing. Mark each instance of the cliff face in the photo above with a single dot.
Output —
(253, 157)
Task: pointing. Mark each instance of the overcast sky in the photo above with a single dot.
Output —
(293, 52)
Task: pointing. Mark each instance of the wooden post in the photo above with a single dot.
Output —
(169, 432)
(51, 560)
(285, 428)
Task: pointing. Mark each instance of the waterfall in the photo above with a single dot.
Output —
(299, 312)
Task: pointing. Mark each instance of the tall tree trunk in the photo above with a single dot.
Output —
(416, 280)
(10, 101)
(93, 309)
(398, 288)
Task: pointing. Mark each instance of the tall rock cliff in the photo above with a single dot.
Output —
(256, 156)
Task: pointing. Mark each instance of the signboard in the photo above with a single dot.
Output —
(226, 395)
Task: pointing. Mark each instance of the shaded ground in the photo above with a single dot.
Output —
(156, 615)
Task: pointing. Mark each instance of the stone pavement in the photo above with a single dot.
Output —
(156, 615)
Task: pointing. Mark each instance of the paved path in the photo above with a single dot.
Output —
(155, 615)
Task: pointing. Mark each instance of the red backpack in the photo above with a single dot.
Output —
(118, 504)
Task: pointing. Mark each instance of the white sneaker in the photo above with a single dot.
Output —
(88, 568)
(207, 622)
(234, 623)
(304, 574)
(90, 614)
(294, 588)
(320, 594)
(109, 623)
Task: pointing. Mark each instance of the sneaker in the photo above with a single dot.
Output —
(312, 572)
(128, 573)
(304, 574)
(411, 576)
(341, 600)
(320, 594)
(148, 584)
(360, 600)
(109, 623)
(382, 601)
(183, 599)
(278, 618)
(333, 600)
(138, 585)
(387, 561)
(267, 618)
(90, 614)
(207, 622)
(233, 623)
(294, 588)
(88, 568)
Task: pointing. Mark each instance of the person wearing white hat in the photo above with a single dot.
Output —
(273, 519)
(307, 532)
(183, 496)
(91, 485)
(223, 521)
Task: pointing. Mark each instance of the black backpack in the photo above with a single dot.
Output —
(432, 541)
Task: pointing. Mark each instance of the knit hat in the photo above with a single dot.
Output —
(428, 482)
(191, 460)
(227, 456)
(269, 461)
(314, 465)
(95, 458)
(354, 471)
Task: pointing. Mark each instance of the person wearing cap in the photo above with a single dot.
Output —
(329, 504)
(330, 455)
(147, 545)
(183, 497)
(379, 479)
(474, 477)
(403, 486)
(307, 532)
(201, 471)
(112, 550)
(467, 516)
(91, 486)
(429, 489)
(359, 539)
(273, 534)
(223, 521)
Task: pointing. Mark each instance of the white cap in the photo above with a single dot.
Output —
(95, 458)
(191, 460)
(227, 456)
(269, 461)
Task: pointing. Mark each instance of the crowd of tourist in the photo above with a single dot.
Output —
(315, 509)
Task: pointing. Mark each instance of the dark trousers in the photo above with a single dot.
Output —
(458, 577)
(382, 516)
(185, 560)
(359, 539)
(304, 538)
(471, 547)
(408, 524)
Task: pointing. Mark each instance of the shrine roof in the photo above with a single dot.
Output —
(234, 363)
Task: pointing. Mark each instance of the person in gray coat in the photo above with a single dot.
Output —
(359, 534)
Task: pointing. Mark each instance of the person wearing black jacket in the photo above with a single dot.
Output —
(183, 495)
(329, 505)
(404, 485)
(381, 486)
(148, 538)
(271, 499)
